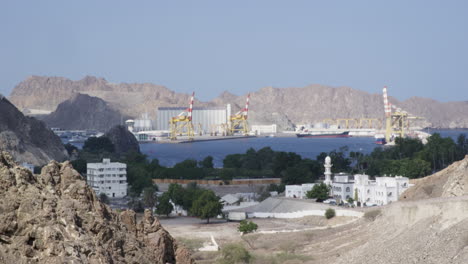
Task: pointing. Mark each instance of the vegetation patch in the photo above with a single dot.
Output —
(192, 244)
(330, 213)
(234, 253)
(372, 215)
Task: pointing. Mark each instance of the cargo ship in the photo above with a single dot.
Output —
(323, 134)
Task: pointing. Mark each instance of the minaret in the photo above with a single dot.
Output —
(328, 173)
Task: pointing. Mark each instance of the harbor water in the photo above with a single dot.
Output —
(170, 154)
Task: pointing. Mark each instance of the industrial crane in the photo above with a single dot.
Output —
(182, 124)
(396, 122)
(238, 122)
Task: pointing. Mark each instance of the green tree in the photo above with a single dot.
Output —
(233, 161)
(207, 163)
(176, 193)
(71, 149)
(164, 206)
(186, 164)
(79, 165)
(207, 205)
(250, 160)
(439, 151)
(319, 192)
(284, 160)
(98, 144)
(247, 227)
(150, 197)
(265, 158)
(226, 175)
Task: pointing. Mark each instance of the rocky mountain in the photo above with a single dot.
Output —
(46, 93)
(55, 217)
(124, 141)
(27, 138)
(284, 106)
(82, 111)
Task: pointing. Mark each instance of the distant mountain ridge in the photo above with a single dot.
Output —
(283, 106)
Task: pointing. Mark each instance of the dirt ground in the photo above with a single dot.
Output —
(289, 244)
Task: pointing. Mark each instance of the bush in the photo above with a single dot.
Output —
(234, 253)
(330, 213)
(372, 215)
(247, 227)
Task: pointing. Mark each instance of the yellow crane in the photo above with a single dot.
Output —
(396, 122)
(181, 125)
(238, 122)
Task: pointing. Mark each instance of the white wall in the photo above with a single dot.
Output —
(305, 213)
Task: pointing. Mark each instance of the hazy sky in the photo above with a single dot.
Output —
(417, 48)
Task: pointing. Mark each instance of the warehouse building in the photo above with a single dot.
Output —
(208, 117)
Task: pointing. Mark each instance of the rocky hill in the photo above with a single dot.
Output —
(81, 112)
(449, 182)
(124, 141)
(27, 138)
(284, 106)
(55, 217)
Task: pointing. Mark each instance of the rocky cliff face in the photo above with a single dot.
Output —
(284, 106)
(26, 138)
(54, 217)
(82, 111)
(123, 140)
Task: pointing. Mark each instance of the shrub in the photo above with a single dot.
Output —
(330, 213)
(247, 226)
(234, 253)
(371, 215)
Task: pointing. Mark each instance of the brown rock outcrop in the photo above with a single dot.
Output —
(54, 217)
(26, 138)
(124, 141)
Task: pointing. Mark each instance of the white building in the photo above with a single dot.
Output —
(380, 191)
(138, 125)
(298, 191)
(264, 129)
(108, 177)
(342, 187)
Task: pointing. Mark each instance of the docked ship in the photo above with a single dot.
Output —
(323, 134)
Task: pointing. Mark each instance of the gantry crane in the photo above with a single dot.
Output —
(396, 122)
(182, 124)
(238, 122)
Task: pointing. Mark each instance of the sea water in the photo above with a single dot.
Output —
(170, 154)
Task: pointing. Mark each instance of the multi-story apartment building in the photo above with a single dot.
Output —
(108, 177)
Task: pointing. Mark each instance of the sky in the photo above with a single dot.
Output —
(416, 48)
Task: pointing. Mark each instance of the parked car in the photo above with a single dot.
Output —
(330, 201)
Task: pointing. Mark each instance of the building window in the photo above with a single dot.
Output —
(347, 189)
